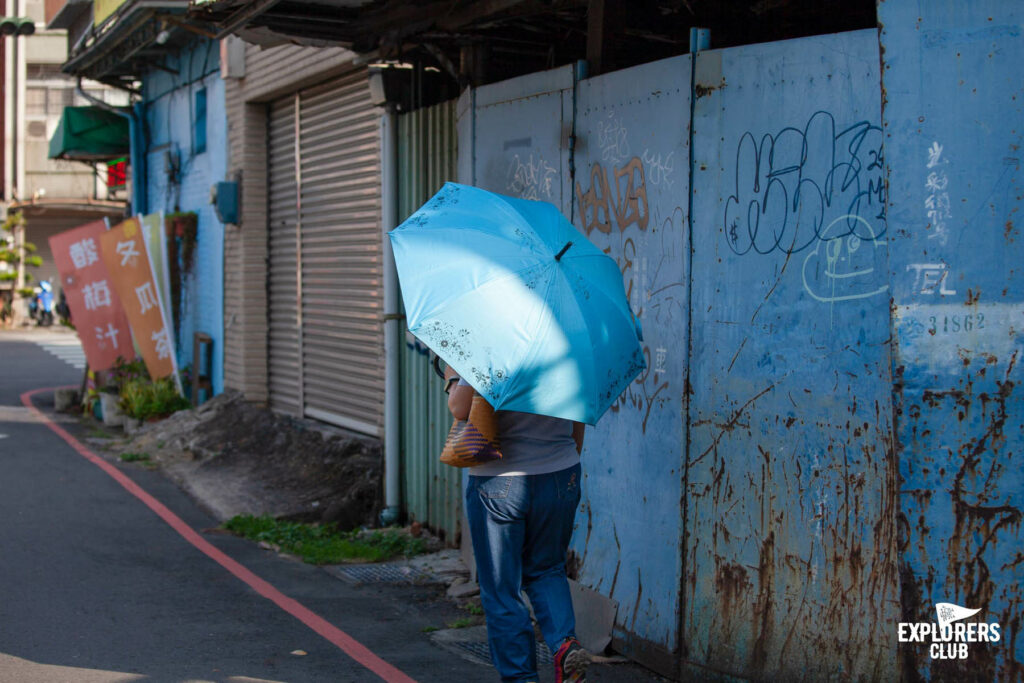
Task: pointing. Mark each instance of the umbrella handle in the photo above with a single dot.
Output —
(437, 366)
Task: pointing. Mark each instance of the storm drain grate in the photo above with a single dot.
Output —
(382, 573)
(474, 648)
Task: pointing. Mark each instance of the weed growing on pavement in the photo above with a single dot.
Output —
(143, 399)
(475, 609)
(134, 457)
(429, 629)
(464, 622)
(324, 543)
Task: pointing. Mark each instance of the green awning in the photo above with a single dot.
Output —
(90, 134)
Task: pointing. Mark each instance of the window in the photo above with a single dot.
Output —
(200, 122)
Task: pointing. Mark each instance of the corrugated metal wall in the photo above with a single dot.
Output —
(954, 118)
(432, 492)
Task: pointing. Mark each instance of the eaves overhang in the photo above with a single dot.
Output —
(131, 39)
(316, 23)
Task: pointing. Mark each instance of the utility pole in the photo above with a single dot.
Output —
(14, 25)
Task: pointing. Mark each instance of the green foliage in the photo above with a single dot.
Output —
(142, 398)
(475, 610)
(464, 622)
(325, 544)
(124, 371)
(429, 629)
(134, 457)
(10, 252)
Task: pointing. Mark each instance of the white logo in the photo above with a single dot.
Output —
(948, 639)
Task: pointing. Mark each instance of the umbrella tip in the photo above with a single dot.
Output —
(558, 256)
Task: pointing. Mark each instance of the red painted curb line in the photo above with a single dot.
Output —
(346, 643)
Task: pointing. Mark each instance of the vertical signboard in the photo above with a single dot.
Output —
(123, 250)
(153, 234)
(94, 302)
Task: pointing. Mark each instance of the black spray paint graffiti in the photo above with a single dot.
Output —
(799, 187)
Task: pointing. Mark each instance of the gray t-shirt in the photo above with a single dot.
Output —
(530, 444)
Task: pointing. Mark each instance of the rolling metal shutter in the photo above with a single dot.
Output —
(334, 195)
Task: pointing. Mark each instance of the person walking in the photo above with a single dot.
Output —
(521, 511)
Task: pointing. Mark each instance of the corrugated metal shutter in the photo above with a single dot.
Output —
(433, 492)
(326, 339)
(282, 278)
(342, 338)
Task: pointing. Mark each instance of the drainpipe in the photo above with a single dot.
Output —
(136, 146)
(392, 316)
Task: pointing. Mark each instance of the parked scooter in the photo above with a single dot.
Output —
(40, 306)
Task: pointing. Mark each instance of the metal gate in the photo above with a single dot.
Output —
(325, 262)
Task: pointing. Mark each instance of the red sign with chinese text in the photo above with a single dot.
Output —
(95, 307)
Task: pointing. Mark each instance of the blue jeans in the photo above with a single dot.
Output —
(521, 526)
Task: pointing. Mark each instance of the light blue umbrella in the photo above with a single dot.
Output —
(518, 302)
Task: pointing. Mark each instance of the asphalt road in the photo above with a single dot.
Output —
(95, 586)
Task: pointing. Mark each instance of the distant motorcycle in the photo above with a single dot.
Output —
(40, 306)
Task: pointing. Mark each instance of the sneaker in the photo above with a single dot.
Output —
(571, 662)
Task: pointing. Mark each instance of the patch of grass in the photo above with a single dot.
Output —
(429, 629)
(324, 544)
(464, 622)
(134, 457)
(475, 610)
(100, 434)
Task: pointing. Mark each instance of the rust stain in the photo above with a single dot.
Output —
(731, 582)
(704, 90)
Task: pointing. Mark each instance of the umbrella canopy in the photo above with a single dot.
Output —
(518, 302)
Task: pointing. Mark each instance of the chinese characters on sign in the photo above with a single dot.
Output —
(93, 303)
(124, 252)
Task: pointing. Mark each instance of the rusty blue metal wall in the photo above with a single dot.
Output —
(630, 197)
(824, 444)
(790, 534)
(954, 121)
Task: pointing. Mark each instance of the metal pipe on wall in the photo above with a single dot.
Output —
(392, 315)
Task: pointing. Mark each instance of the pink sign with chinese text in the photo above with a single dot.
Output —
(95, 307)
